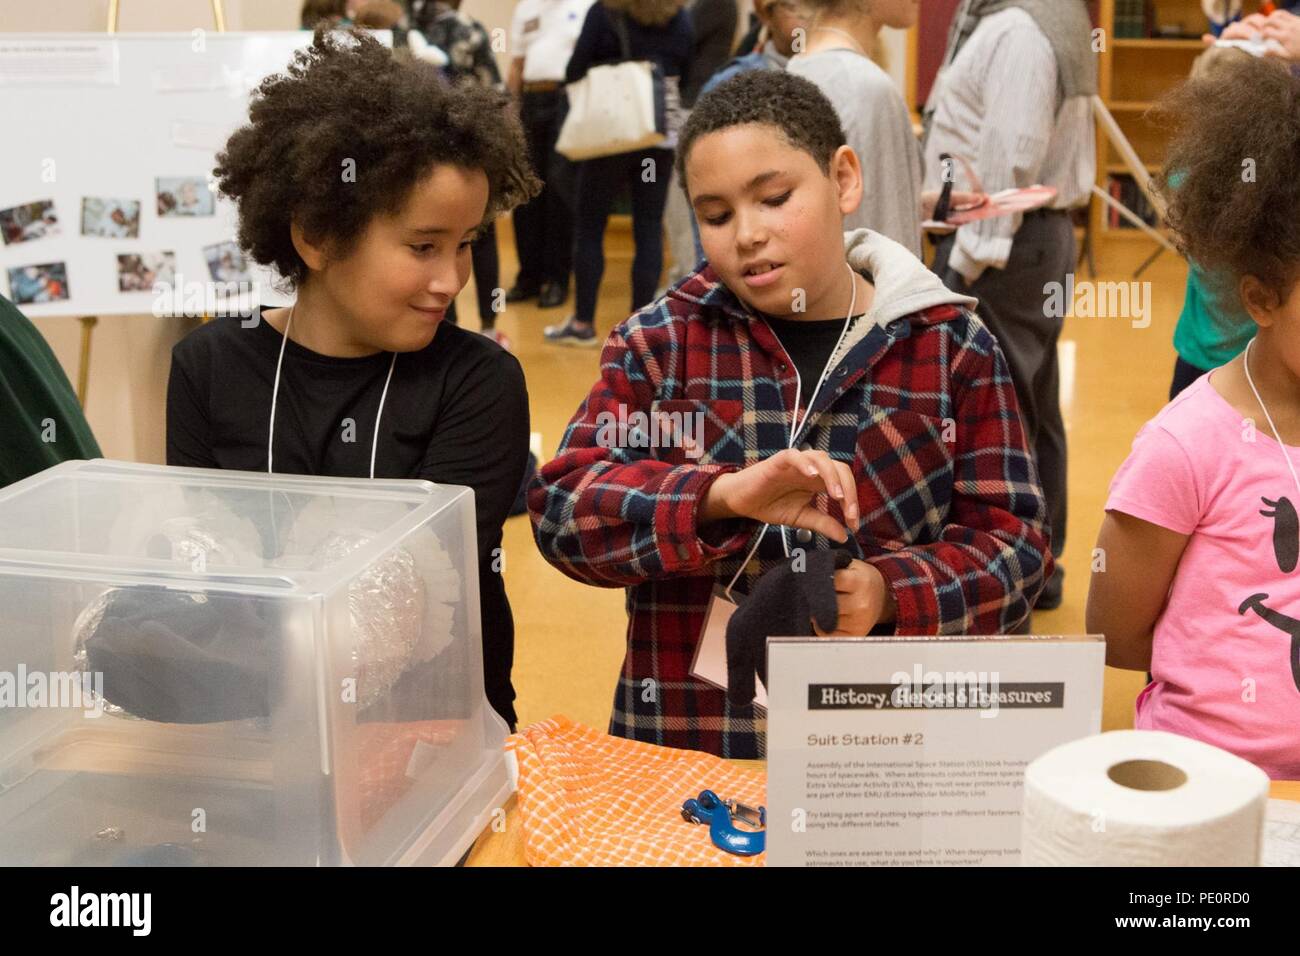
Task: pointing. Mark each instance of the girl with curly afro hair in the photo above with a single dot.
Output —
(362, 180)
(1201, 536)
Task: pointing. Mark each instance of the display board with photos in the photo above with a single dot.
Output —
(108, 205)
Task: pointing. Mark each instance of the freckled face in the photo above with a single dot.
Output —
(770, 220)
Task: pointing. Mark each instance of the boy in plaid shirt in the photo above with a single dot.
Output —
(820, 384)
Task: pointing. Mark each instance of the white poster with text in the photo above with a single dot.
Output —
(911, 751)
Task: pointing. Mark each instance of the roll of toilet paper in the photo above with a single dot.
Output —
(1142, 798)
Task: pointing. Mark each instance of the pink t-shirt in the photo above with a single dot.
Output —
(1225, 660)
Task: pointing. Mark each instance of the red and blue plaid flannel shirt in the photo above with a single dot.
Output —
(957, 526)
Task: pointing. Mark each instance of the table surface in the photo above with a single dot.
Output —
(506, 848)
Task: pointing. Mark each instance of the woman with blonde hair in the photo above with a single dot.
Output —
(659, 31)
(841, 57)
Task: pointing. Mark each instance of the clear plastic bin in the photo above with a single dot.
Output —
(221, 668)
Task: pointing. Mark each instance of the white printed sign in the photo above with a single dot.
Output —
(911, 751)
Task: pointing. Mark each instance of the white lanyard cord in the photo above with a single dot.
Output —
(743, 564)
(383, 397)
(797, 426)
(1269, 418)
(275, 393)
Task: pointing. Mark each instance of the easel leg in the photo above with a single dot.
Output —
(1150, 259)
(88, 323)
(1086, 249)
(218, 15)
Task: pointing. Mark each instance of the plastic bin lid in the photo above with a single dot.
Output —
(116, 518)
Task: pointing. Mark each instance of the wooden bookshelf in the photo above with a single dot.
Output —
(1157, 43)
(1133, 73)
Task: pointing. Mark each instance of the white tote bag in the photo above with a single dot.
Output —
(618, 108)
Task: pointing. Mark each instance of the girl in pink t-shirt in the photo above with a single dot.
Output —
(1201, 539)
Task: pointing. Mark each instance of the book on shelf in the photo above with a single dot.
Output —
(1132, 19)
(1124, 189)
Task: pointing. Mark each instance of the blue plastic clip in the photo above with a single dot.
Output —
(709, 808)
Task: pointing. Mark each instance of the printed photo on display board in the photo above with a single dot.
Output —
(184, 196)
(110, 218)
(40, 283)
(33, 220)
(137, 272)
(226, 263)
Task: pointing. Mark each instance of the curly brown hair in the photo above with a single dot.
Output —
(346, 98)
(1230, 177)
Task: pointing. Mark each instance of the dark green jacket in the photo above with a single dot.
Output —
(41, 423)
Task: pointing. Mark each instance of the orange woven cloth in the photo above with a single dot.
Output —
(589, 799)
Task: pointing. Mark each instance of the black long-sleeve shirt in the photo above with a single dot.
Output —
(456, 413)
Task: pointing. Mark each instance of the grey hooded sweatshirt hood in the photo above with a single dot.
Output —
(904, 286)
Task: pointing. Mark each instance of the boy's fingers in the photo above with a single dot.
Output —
(817, 475)
(830, 474)
(801, 464)
(842, 479)
(850, 500)
(820, 523)
(819, 472)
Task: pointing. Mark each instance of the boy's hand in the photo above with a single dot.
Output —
(864, 599)
(780, 490)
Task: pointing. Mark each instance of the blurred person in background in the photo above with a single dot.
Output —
(713, 23)
(1014, 103)
(333, 13)
(660, 31)
(542, 38)
(838, 58)
(1282, 26)
(782, 24)
(468, 50)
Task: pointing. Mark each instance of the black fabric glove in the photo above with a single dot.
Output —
(784, 603)
(166, 657)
